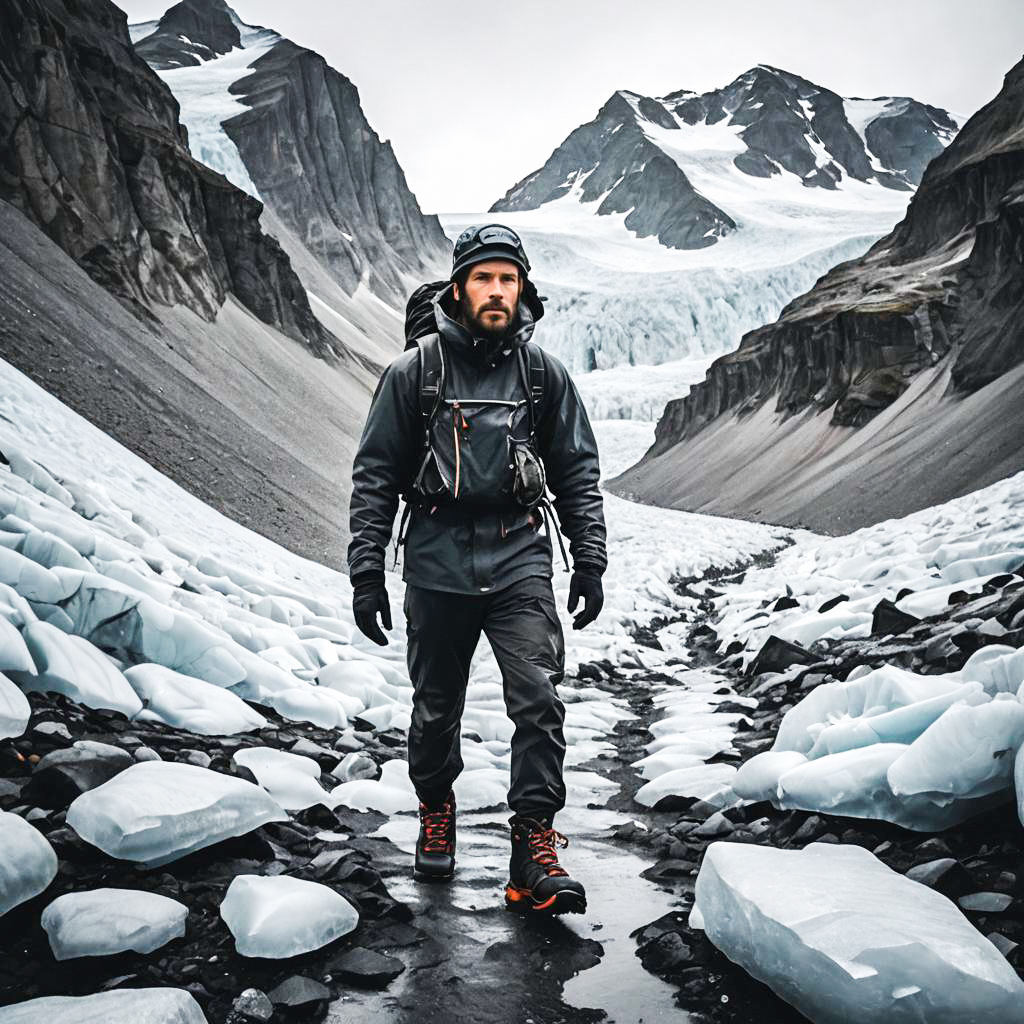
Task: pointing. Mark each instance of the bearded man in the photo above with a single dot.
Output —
(471, 425)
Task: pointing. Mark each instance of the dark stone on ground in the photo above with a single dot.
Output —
(888, 620)
(298, 991)
(366, 968)
(776, 655)
(65, 774)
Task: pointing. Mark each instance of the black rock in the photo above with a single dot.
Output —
(298, 991)
(832, 602)
(666, 953)
(366, 968)
(785, 602)
(63, 775)
(888, 620)
(326, 864)
(776, 655)
(253, 1004)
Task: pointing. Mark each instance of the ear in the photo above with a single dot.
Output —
(455, 291)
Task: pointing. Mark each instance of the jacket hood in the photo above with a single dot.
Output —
(432, 308)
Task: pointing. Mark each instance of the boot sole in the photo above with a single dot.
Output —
(565, 901)
(432, 876)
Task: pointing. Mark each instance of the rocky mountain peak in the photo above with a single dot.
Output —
(767, 122)
(193, 32)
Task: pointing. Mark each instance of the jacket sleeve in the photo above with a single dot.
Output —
(566, 442)
(384, 463)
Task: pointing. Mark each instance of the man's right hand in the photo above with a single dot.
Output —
(370, 596)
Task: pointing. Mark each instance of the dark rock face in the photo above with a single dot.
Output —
(614, 156)
(786, 123)
(325, 173)
(97, 159)
(209, 28)
(943, 293)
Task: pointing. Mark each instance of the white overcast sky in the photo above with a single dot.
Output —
(474, 96)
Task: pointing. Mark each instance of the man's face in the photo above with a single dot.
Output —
(488, 303)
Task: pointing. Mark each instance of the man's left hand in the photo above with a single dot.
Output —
(587, 585)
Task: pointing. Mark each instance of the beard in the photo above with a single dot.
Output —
(480, 327)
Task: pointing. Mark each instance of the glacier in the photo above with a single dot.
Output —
(101, 922)
(203, 92)
(842, 937)
(637, 323)
(278, 916)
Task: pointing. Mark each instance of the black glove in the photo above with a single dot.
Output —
(370, 596)
(585, 583)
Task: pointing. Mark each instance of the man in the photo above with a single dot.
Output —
(475, 559)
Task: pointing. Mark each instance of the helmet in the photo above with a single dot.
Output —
(488, 242)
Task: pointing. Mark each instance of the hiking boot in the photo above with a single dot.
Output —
(435, 848)
(537, 882)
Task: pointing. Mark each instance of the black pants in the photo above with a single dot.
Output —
(522, 627)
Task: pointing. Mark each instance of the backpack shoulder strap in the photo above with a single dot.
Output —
(534, 371)
(431, 376)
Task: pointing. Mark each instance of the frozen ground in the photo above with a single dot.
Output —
(90, 535)
(90, 531)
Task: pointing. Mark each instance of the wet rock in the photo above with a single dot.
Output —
(831, 603)
(51, 729)
(776, 655)
(888, 620)
(147, 754)
(10, 789)
(784, 603)
(299, 992)
(327, 864)
(1005, 946)
(348, 742)
(932, 848)
(717, 825)
(197, 757)
(807, 832)
(323, 756)
(986, 902)
(253, 1004)
(63, 775)
(945, 874)
(366, 968)
(669, 868)
(666, 953)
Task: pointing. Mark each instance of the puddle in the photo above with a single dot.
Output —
(466, 914)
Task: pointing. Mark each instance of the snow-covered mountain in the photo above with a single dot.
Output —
(666, 229)
(891, 385)
(280, 123)
(141, 286)
(666, 162)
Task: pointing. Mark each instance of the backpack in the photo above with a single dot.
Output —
(433, 487)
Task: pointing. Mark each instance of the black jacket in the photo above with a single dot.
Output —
(492, 549)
